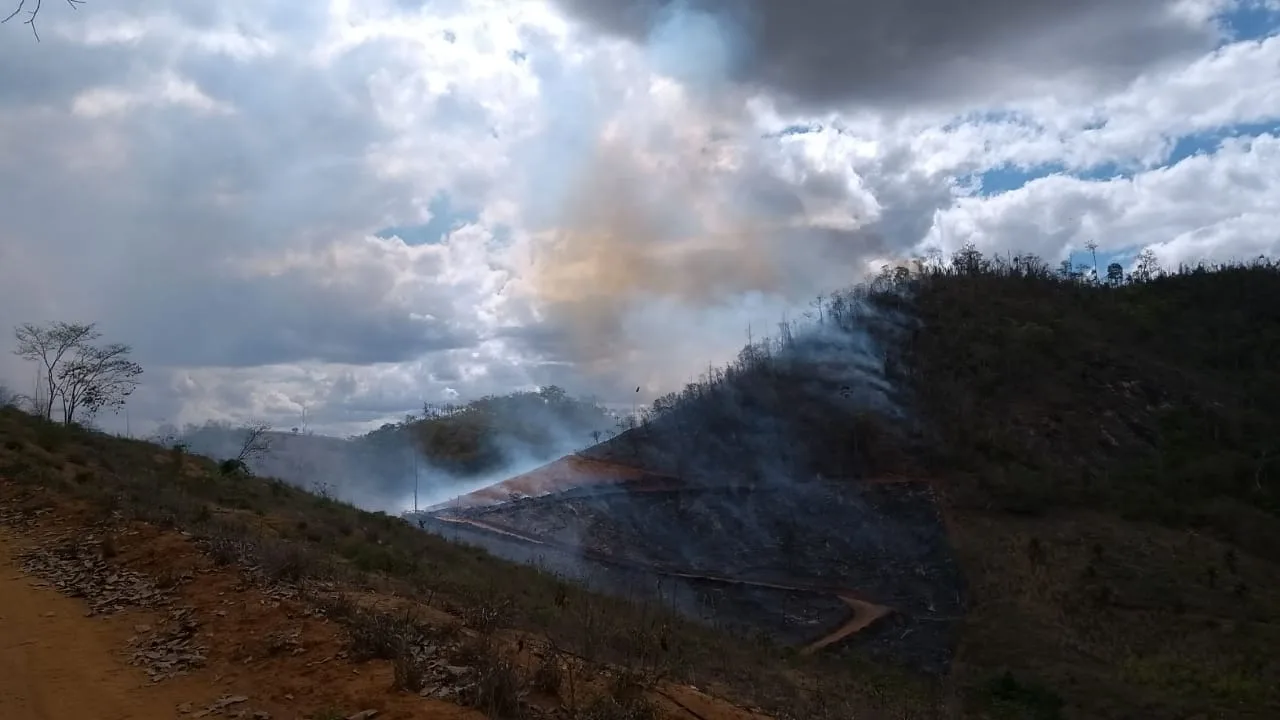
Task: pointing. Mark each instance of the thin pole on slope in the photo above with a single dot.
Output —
(415, 483)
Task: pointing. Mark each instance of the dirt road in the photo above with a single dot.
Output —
(57, 664)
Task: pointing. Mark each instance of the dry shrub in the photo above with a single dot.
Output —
(500, 687)
(548, 675)
(611, 708)
(409, 668)
(284, 561)
(380, 636)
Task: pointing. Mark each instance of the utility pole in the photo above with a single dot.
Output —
(415, 481)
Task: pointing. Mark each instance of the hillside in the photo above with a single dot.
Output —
(1109, 461)
(1047, 498)
(1031, 391)
(241, 586)
(1103, 457)
(447, 448)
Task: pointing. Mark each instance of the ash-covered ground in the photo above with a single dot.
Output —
(700, 548)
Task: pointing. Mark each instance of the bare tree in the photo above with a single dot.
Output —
(1092, 247)
(52, 347)
(97, 378)
(32, 11)
(256, 443)
(1147, 266)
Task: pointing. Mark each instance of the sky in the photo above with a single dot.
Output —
(349, 209)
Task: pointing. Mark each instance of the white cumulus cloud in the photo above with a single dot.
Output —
(348, 209)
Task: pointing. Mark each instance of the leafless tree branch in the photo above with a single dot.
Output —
(257, 442)
(33, 13)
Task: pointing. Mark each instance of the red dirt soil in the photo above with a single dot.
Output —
(57, 663)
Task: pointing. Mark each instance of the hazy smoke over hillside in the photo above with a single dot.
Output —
(678, 216)
(447, 452)
(818, 399)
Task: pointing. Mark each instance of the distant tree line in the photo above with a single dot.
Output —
(969, 260)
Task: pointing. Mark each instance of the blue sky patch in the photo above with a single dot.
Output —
(1250, 20)
(1207, 142)
(1247, 20)
(445, 218)
(1009, 177)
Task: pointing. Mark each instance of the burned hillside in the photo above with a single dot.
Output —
(1029, 390)
(784, 561)
(1099, 453)
(1056, 498)
(817, 400)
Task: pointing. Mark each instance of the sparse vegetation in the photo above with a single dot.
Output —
(254, 519)
(1089, 438)
(1106, 451)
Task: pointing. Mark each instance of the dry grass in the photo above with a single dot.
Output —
(1108, 458)
(285, 534)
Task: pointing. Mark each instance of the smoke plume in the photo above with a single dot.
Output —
(679, 205)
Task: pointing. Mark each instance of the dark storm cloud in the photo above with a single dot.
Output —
(824, 53)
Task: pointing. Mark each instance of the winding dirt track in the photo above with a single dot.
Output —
(865, 612)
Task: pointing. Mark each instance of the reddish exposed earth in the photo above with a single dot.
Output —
(60, 659)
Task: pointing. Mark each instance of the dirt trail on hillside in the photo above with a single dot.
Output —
(60, 660)
(865, 612)
(57, 664)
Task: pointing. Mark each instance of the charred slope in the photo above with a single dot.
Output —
(772, 518)
(1157, 400)
(1107, 459)
(786, 561)
(818, 400)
